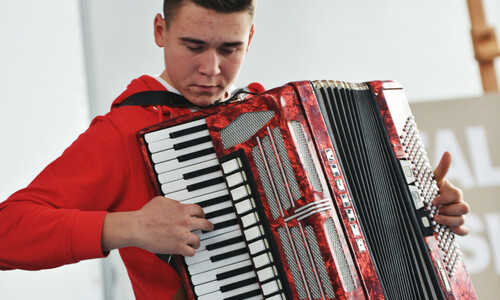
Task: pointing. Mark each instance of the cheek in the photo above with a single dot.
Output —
(233, 65)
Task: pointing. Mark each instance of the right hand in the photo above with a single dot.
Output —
(162, 226)
(166, 226)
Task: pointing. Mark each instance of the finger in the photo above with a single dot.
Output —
(201, 224)
(187, 250)
(458, 209)
(454, 223)
(442, 168)
(450, 221)
(193, 241)
(194, 210)
(449, 194)
(460, 230)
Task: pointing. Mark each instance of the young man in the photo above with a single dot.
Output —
(97, 196)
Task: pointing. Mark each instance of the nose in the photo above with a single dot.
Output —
(209, 64)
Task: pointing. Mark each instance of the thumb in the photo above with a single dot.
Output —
(442, 168)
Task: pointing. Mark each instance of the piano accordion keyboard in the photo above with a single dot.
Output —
(233, 261)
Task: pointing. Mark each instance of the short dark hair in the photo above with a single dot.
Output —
(171, 7)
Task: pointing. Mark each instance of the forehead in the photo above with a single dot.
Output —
(194, 19)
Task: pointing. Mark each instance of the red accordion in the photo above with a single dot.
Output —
(317, 190)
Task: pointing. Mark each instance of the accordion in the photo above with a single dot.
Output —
(317, 190)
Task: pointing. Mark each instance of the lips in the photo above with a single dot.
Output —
(206, 88)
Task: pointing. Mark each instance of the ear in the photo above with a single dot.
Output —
(250, 35)
(160, 29)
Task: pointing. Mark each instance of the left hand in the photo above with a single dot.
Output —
(450, 203)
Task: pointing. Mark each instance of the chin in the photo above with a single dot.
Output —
(202, 101)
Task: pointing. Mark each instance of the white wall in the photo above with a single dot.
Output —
(424, 45)
(43, 107)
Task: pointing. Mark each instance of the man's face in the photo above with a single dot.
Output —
(204, 51)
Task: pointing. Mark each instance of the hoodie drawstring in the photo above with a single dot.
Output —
(159, 109)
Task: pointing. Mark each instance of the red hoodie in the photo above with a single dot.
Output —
(58, 218)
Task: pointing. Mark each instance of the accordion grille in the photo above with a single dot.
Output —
(266, 184)
(306, 156)
(306, 263)
(320, 265)
(292, 263)
(340, 256)
(244, 127)
(287, 166)
(276, 173)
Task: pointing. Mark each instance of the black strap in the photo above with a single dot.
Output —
(167, 98)
(149, 98)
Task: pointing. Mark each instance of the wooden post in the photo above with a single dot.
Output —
(485, 45)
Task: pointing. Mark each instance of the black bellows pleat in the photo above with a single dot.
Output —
(379, 193)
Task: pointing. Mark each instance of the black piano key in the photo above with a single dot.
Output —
(219, 212)
(225, 243)
(245, 295)
(223, 224)
(201, 172)
(192, 142)
(187, 131)
(236, 285)
(214, 201)
(228, 254)
(204, 184)
(233, 273)
(195, 154)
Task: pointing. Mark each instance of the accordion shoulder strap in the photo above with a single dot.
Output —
(149, 98)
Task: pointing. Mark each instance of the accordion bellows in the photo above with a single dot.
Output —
(317, 190)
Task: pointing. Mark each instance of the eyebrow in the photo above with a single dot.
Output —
(200, 42)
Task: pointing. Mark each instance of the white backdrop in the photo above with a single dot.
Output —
(60, 64)
(44, 105)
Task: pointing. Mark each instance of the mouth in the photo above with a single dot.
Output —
(210, 89)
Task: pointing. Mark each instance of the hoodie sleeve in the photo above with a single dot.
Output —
(58, 218)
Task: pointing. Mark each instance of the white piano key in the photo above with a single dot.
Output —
(244, 206)
(271, 287)
(208, 254)
(217, 207)
(277, 297)
(185, 194)
(215, 285)
(219, 238)
(161, 134)
(177, 174)
(249, 220)
(223, 218)
(262, 260)
(236, 179)
(267, 273)
(175, 164)
(240, 192)
(172, 154)
(209, 234)
(209, 265)
(232, 293)
(258, 246)
(253, 233)
(211, 275)
(231, 165)
(169, 143)
(205, 197)
(183, 183)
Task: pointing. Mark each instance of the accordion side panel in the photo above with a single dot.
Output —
(407, 145)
